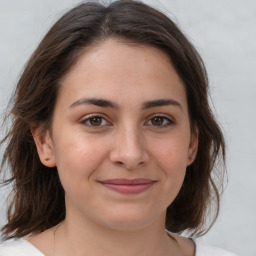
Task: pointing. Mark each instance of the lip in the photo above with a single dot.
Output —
(128, 186)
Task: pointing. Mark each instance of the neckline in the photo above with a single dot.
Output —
(193, 241)
(31, 246)
(36, 250)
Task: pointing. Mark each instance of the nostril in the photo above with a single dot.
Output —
(130, 159)
(141, 163)
(129, 166)
(119, 163)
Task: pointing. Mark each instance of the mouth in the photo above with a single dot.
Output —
(128, 186)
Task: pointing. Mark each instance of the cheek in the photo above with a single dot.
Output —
(77, 158)
(171, 158)
(172, 152)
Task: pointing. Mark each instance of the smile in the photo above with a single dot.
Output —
(127, 186)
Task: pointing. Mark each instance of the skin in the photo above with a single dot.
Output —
(129, 138)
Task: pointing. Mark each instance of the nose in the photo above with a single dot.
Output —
(129, 150)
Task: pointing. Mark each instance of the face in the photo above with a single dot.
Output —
(120, 136)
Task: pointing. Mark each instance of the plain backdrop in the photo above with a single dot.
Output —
(224, 32)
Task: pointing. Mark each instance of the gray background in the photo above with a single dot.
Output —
(224, 32)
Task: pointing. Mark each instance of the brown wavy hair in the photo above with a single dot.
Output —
(37, 201)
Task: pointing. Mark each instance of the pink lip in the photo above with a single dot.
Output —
(128, 186)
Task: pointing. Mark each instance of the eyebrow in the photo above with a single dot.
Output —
(109, 104)
(94, 101)
(160, 103)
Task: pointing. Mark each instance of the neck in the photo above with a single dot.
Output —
(88, 238)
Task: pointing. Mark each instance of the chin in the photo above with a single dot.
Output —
(129, 221)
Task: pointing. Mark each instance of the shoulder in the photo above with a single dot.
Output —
(18, 247)
(202, 249)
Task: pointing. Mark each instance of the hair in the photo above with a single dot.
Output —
(37, 202)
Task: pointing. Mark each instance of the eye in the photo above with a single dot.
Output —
(95, 121)
(161, 121)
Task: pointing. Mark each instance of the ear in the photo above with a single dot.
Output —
(193, 146)
(44, 145)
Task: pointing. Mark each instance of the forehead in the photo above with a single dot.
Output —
(114, 69)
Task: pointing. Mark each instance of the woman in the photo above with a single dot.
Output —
(113, 144)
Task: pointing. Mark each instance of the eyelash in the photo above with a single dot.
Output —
(89, 118)
(164, 121)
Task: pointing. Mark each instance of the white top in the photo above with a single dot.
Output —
(22, 247)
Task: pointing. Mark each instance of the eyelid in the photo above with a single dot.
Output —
(170, 119)
(84, 119)
(89, 116)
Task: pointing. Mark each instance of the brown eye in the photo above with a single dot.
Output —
(157, 120)
(95, 121)
(160, 121)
